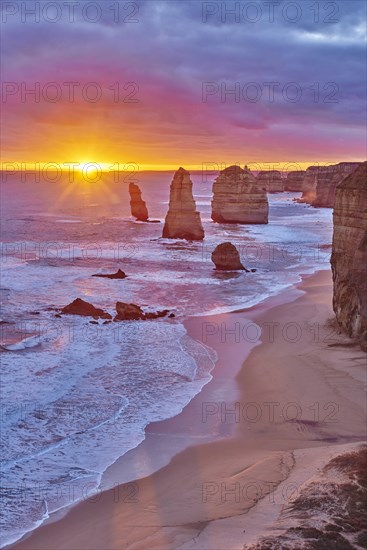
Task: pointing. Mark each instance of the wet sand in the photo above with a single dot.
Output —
(213, 477)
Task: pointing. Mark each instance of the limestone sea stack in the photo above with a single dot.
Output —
(227, 258)
(294, 181)
(272, 181)
(238, 198)
(320, 183)
(309, 185)
(182, 220)
(349, 255)
(138, 207)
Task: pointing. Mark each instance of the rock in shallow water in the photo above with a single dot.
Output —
(182, 220)
(138, 207)
(85, 309)
(226, 258)
(132, 312)
(118, 275)
(238, 198)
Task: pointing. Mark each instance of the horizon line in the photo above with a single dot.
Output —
(105, 167)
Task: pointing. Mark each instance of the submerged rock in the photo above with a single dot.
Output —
(85, 309)
(138, 207)
(349, 255)
(237, 198)
(132, 312)
(118, 275)
(227, 258)
(182, 220)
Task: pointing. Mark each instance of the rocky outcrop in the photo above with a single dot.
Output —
(309, 185)
(124, 312)
(237, 198)
(81, 307)
(132, 312)
(138, 207)
(182, 220)
(320, 183)
(227, 258)
(272, 181)
(294, 181)
(328, 180)
(349, 255)
(118, 275)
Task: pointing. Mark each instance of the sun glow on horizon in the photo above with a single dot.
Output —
(93, 168)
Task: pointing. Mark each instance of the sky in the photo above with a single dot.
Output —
(168, 83)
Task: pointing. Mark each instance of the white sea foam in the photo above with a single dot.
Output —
(29, 342)
(85, 393)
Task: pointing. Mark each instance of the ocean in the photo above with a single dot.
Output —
(75, 396)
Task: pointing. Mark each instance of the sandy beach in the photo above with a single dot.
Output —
(287, 395)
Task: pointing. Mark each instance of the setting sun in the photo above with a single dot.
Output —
(88, 166)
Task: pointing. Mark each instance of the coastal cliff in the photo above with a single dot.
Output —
(182, 220)
(328, 180)
(138, 207)
(349, 255)
(320, 183)
(272, 181)
(238, 198)
(294, 181)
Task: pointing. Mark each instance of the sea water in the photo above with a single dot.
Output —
(75, 396)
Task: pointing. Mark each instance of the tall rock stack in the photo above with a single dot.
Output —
(138, 207)
(272, 181)
(349, 255)
(294, 181)
(309, 184)
(320, 183)
(237, 198)
(182, 220)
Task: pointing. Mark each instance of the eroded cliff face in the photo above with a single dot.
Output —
(138, 207)
(294, 181)
(328, 180)
(349, 255)
(182, 220)
(272, 181)
(238, 198)
(309, 184)
(320, 183)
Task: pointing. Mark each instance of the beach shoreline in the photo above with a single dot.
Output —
(265, 402)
